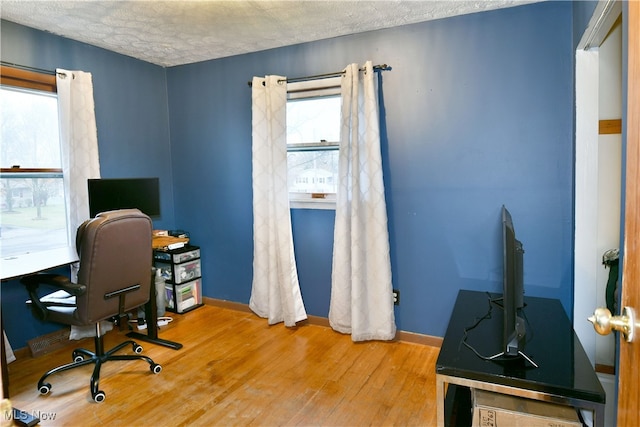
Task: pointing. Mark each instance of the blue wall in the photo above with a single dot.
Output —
(477, 112)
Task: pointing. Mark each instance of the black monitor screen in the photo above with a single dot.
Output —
(124, 193)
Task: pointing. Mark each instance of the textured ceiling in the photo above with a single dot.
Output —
(169, 33)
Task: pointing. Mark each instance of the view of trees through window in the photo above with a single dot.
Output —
(33, 215)
(313, 134)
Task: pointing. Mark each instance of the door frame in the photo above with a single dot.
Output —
(586, 171)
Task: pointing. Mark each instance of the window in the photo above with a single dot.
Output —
(313, 140)
(32, 201)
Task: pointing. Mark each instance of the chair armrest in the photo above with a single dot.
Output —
(55, 281)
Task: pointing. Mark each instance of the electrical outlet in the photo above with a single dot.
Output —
(396, 297)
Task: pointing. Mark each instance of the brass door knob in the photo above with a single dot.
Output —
(604, 322)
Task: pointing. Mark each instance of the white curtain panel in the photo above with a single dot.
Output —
(361, 290)
(79, 143)
(275, 292)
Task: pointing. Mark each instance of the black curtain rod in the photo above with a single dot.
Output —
(27, 68)
(380, 67)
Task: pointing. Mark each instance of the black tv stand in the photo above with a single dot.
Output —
(564, 375)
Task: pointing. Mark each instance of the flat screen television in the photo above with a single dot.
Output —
(514, 329)
(124, 193)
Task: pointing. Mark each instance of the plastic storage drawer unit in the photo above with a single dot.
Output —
(181, 298)
(178, 256)
(182, 272)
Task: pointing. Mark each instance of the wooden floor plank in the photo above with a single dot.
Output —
(235, 369)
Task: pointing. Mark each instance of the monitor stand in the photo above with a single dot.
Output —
(520, 353)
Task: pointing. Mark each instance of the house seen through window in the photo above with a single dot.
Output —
(32, 200)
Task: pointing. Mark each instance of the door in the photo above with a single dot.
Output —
(629, 355)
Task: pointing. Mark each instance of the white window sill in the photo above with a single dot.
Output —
(309, 203)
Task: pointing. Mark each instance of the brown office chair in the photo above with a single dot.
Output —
(114, 277)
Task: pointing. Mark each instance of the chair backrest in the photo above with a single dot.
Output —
(115, 253)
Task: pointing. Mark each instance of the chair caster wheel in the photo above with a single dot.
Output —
(155, 368)
(78, 358)
(99, 396)
(45, 388)
(137, 348)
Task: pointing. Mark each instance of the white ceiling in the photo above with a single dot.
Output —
(176, 32)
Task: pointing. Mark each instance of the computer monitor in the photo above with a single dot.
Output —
(124, 193)
(514, 330)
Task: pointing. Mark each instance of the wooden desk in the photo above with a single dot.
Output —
(162, 242)
(565, 374)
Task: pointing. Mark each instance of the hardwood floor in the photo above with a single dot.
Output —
(234, 369)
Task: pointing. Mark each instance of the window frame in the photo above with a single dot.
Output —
(309, 89)
(17, 77)
(20, 264)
